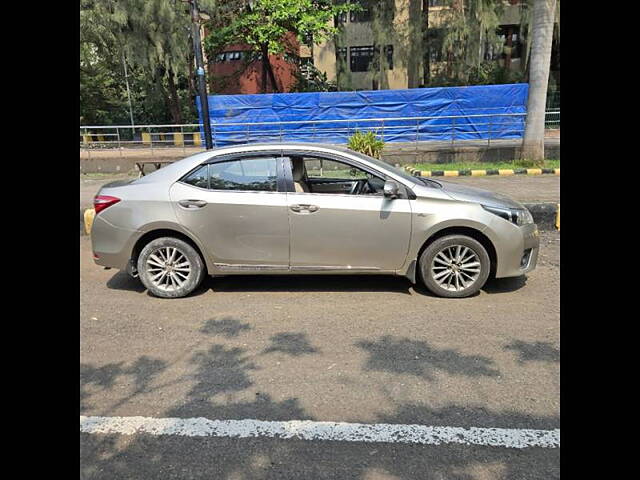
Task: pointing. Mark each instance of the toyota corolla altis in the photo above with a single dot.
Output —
(293, 208)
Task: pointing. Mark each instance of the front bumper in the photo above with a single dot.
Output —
(518, 252)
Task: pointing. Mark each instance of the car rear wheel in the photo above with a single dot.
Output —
(170, 267)
(455, 266)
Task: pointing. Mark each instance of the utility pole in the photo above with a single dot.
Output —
(200, 74)
(126, 80)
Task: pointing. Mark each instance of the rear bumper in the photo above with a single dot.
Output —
(112, 245)
(518, 252)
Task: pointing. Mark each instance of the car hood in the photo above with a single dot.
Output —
(478, 195)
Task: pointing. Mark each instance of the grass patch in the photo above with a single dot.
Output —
(478, 165)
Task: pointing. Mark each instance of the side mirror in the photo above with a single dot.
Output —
(390, 189)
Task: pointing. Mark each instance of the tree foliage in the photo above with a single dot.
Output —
(153, 38)
(265, 25)
(469, 27)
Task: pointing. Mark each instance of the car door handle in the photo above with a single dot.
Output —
(192, 203)
(304, 208)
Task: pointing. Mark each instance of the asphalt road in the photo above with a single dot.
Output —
(326, 348)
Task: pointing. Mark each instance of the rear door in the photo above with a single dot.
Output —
(235, 207)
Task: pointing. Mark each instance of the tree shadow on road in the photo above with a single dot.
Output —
(534, 351)
(228, 327)
(291, 343)
(223, 388)
(416, 357)
(95, 380)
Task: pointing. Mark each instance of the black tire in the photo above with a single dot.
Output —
(194, 277)
(427, 261)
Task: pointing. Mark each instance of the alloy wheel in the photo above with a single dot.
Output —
(168, 268)
(455, 268)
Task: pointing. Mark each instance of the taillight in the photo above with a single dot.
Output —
(100, 202)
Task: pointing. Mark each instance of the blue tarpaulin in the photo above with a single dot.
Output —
(460, 113)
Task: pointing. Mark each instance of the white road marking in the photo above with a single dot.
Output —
(330, 431)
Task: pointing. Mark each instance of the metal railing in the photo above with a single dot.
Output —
(452, 129)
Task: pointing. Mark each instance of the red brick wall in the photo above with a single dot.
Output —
(229, 78)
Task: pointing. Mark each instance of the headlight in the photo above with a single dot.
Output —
(517, 216)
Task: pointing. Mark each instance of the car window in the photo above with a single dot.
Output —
(198, 178)
(328, 176)
(244, 174)
(325, 168)
(255, 174)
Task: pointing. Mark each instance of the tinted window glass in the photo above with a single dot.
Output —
(246, 174)
(198, 178)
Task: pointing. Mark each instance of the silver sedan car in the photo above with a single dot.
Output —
(294, 208)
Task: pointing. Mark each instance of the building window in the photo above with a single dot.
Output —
(229, 56)
(361, 57)
(342, 17)
(511, 40)
(363, 15)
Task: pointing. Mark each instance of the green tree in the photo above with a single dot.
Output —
(469, 26)
(264, 25)
(153, 38)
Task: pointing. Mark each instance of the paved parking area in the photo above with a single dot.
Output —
(357, 349)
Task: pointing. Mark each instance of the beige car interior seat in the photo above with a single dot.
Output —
(299, 173)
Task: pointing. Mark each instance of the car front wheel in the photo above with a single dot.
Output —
(455, 266)
(170, 268)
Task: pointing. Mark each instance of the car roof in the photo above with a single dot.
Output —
(282, 145)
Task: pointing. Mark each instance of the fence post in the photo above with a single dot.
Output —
(490, 128)
(150, 140)
(119, 146)
(453, 133)
(86, 138)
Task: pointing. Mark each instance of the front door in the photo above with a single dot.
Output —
(234, 207)
(340, 220)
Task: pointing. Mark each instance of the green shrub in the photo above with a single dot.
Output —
(366, 143)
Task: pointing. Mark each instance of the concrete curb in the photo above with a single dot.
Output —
(545, 215)
(482, 173)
